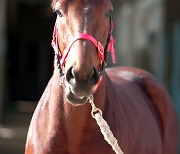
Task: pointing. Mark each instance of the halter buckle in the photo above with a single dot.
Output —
(100, 48)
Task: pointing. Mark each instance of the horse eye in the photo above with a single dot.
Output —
(109, 13)
(59, 13)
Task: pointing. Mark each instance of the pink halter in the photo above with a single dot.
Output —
(84, 36)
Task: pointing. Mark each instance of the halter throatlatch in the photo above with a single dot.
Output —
(61, 59)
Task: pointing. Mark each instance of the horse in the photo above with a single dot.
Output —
(135, 104)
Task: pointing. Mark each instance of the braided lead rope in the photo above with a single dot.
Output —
(104, 127)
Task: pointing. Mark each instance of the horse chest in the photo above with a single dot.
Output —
(88, 144)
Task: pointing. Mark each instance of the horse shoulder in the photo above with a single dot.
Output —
(160, 100)
(37, 122)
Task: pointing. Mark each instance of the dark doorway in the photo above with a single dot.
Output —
(30, 56)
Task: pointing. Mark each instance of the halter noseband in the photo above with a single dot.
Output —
(98, 45)
(61, 59)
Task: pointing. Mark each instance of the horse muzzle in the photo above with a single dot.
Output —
(78, 87)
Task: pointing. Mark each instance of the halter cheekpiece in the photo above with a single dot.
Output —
(61, 59)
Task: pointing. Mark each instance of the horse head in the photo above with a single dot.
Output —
(81, 39)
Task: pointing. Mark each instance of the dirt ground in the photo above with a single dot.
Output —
(13, 131)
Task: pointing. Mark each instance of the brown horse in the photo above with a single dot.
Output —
(135, 104)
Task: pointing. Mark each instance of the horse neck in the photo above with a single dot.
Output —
(71, 120)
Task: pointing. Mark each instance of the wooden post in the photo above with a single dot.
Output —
(2, 54)
(175, 70)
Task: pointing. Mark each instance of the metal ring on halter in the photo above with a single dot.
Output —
(94, 110)
(62, 79)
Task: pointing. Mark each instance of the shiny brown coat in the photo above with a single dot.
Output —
(135, 104)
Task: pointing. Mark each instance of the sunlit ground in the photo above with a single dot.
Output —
(7, 133)
(13, 133)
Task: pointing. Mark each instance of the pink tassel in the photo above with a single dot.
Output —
(111, 49)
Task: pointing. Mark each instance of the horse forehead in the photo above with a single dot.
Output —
(79, 3)
(95, 2)
(90, 6)
(87, 1)
(91, 1)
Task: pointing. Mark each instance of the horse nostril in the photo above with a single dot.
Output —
(73, 77)
(69, 75)
(92, 73)
(74, 74)
(94, 76)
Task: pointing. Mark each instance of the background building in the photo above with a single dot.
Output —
(147, 34)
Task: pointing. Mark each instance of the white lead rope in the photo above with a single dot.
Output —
(104, 127)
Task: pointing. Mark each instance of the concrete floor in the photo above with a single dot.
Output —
(13, 132)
